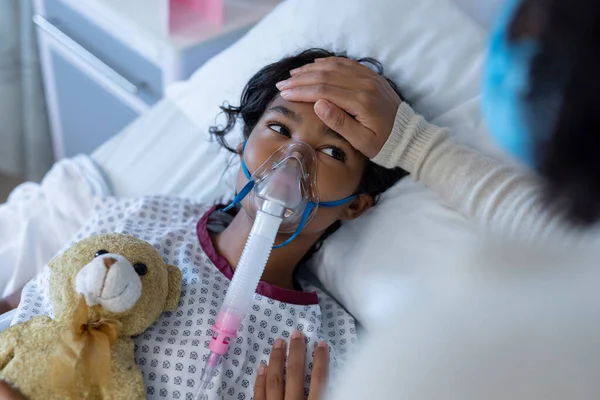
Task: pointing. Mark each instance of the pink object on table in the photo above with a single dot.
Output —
(211, 10)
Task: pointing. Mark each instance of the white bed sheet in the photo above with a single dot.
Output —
(39, 219)
(164, 152)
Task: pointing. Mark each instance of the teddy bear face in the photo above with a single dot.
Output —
(120, 277)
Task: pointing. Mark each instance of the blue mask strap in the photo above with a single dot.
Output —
(240, 196)
(244, 192)
(331, 204)
(307, 211)
(244, 168)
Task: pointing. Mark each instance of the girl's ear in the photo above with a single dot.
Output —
(239, 149)
(358, 206)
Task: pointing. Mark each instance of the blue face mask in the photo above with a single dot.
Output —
(299, 165)
(506, 85)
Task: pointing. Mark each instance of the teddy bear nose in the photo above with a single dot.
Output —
(109, 262)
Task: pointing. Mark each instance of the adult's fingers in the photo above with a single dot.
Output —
(369, 99)
(342, 66)
(294, 384)
(320, 372)
(339, 121)
(346, 99)
(260, 385)
(329, 78)
(275, 383)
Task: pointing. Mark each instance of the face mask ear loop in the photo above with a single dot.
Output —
(247, 188)
(307, 211)
(331, 204)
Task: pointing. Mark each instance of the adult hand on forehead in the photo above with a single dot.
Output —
(349, 98)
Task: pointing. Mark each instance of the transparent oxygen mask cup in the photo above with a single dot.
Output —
(294, 186)
(284, 185)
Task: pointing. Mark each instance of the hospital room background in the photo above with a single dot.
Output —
(115, 97)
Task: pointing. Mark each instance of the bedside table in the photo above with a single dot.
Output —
(104, 62)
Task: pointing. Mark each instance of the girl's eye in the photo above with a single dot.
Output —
(279, 128)
(335, 153)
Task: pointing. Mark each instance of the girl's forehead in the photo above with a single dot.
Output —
(294, 111)
(301, 114)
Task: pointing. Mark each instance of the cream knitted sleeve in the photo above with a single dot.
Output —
(496, 197)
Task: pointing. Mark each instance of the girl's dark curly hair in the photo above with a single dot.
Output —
(564, 90)
(261, 90)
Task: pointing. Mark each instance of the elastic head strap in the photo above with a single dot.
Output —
(244, 168)
(331, 204)
(307, 211)
(240, 196)
(246, 189)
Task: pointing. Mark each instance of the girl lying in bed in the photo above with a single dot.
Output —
(206, 244)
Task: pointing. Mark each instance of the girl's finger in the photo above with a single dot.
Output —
(260, 386)
(275, 384)
(320, 372)
(294, 382)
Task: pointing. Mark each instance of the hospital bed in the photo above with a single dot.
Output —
(433, 49)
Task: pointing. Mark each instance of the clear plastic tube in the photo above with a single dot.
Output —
(281, 188)
(243, 286)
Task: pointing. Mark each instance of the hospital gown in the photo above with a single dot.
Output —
(172, 352)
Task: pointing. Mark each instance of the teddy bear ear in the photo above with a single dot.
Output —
(175, 277)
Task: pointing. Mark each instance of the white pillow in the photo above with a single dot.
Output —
(433, 51)
(484, 12)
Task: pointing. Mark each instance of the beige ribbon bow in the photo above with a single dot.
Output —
(87, 344)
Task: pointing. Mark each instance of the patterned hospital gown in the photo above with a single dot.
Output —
(172, 352)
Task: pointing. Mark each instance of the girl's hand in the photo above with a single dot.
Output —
(270, 384)
(8, 393)
(350, 98)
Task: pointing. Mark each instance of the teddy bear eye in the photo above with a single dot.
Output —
(141, 269)
(100, 252)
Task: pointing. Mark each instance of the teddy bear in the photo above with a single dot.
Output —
(104, 290)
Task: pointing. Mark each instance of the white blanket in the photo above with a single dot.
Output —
(39, 219)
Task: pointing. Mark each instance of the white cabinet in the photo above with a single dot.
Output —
(102, 67)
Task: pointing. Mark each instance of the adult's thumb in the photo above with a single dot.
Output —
(333, 116)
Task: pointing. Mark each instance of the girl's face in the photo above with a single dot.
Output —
(340, 167)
